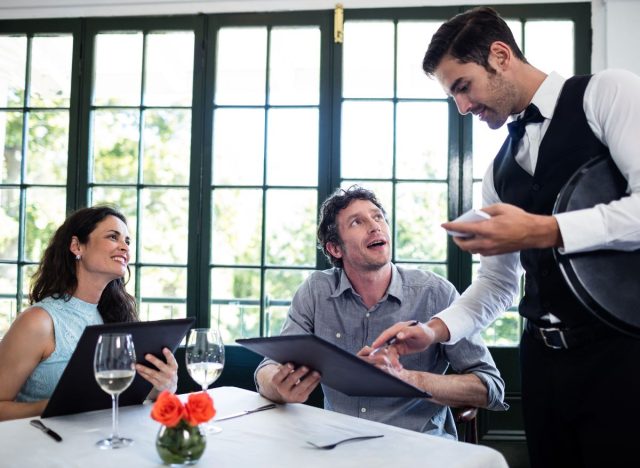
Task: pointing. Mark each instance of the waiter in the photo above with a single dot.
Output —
(580, 378)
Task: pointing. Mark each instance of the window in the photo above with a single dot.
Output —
(35, 97)
(218, 136)
(140, 134)
(264, 190)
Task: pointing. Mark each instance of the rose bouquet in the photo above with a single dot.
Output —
(180, 439)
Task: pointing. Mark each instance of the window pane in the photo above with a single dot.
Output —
(505, 331)
(45, 212)
(516, 30)
(164, 224)
(11, 144)
(7, 315)
(167, 140)
(51, 71)
(486, 144)
(477, 195)
(368, 59)
(367, 139)
(280, 286)
(292, 154)
(413, 40)
(118, 69)
(236, 236)
(294, 66)
(422, 140)
(115, 145)
(543, 36)
(235, 295)
(161, 311)
(8, 279)
(420, 209)
(169, 69)
(10, 222)
(163, 282)
(13, 57)
(291, 227)
(238, 146)
(241, 66)
(48, 147)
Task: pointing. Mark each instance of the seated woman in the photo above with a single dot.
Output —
(79, 282)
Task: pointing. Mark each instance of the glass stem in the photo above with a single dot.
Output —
(114, 429)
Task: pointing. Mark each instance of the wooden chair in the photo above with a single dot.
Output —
(467, 419)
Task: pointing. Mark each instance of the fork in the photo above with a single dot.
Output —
(334, 445)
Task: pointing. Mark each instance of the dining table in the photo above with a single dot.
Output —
(278, 437)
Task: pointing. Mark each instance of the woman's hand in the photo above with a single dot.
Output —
(166, 377)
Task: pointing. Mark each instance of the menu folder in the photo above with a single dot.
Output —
(77, 390)
(340, 369)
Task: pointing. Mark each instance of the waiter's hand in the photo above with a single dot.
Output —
(412, 339)
(510, 229)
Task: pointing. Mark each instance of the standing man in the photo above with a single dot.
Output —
(579, 377)
(352, 303)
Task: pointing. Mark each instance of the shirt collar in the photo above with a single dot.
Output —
(548, 93)
(394, 289)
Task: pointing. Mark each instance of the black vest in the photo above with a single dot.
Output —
(567, 145)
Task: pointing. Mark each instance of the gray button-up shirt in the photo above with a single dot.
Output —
(327, 305)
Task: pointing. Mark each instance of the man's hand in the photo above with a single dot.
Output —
(286, 384)
(510, 229)
(385, 359)
(413, 339)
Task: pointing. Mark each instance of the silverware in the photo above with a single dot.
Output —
(40, 425)
(333, 445)
(242, 413)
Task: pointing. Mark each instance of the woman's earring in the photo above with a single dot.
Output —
(78, 257)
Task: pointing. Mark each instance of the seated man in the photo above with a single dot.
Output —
(350, 304)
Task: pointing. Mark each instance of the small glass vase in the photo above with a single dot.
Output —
(180, 445)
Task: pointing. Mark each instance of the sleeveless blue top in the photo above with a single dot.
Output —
(69, 321)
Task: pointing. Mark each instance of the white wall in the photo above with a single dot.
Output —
(616, 35)
(620, 34)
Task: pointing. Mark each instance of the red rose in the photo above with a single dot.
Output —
(199, 408)
(168, 409)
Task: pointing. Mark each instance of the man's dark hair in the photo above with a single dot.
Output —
(338, 201)
(467, 37)
(56, 274)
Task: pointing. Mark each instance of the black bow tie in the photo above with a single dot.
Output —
(516, 128)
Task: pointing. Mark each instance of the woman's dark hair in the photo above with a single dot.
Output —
(467, 37)
(56, 274)
(338, 201)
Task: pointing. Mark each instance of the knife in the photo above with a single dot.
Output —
(39, 424)
(242, 413)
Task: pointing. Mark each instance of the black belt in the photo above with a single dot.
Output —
(559, 337)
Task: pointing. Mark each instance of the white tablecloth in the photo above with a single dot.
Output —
(273, 438)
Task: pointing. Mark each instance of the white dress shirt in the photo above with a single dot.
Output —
(612, 107)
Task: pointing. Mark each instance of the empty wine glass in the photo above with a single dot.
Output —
(114, 368)
(205, 360)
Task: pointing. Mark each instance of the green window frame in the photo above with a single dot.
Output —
(196, 298)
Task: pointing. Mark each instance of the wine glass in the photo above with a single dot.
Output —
(114, 368)
(205, 360)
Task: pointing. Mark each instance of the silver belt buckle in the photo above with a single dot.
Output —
(543, 332)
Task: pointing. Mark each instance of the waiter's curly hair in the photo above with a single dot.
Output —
(338, 201)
